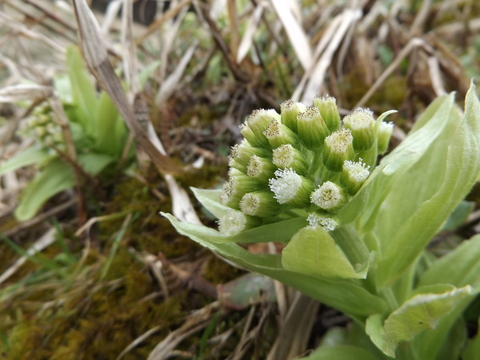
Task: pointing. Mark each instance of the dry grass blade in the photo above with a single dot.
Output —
(322, 44)
(171, 83)
(247, 39)
(39, 218)
(412, 44)
(171, 13)
(234, 27)
(196, 322)
(293, 337)
(435, 75)
(46, 240)
(22, 29)
(111, 15)
(21, 92)
(96, 57)
(314, 85)
(138, 341)
(129, 50)
(295, 33)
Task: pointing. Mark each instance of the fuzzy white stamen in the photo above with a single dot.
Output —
(286, 185)
(232, 223)
(283, 156)
(327, 196)
(339, 140)
(357, 171)
(327, 223)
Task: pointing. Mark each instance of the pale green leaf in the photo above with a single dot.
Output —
(210, 199)
(473, 347)
(343, 352)
(374, 329)
(459, 215)
(83, 90)
(460, 267)
(424, 197)
(147, 72)
(106, 118)
(94, 163)
(54, 178)
(344, 295)
(365, 206)
(30, 156)
(421, 312)
(281, 231)
(312, 251)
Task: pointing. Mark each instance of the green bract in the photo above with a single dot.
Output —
(354, 230)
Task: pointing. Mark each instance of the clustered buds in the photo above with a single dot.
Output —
(44, 129)
(306, 160)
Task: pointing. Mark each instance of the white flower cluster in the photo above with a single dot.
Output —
(305, 160)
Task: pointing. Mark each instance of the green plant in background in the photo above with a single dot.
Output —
(356, 233)
(98, 132)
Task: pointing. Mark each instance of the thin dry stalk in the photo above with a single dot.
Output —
(46, 240)
(171, 13)
(96, 57)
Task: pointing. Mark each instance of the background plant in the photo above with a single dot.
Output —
(95, 127)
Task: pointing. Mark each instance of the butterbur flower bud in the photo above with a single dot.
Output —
(52, 128)
(234, 222)
(354, 175)
(286, 156)
(259, 203)
(312, 129)
(362, 125)
(329, 224)
(384, 133)
(43, 119)
(241, 154)
(33, 121)
(254, 139)
(289, 112)
(40, 131)
(58, 138)
(291, 188)
(237, 186)
(260, 168)
(327, 106)
(48, 140)
(259, 120)
(329, 196)
(278, 134)
(338, 148)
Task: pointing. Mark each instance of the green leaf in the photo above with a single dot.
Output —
(460, 267)
(281, 231)
(145, 73)
(210, 199)
(459, 215)
(54, 178)
(343, 352)
(106, 118)
(32, 155)
(83, 90)
(421, 312)
(312, 251)
(365, 206)
(246, 290)
(424, 197)
(344, 295)
(473, 347)
(94, 163)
